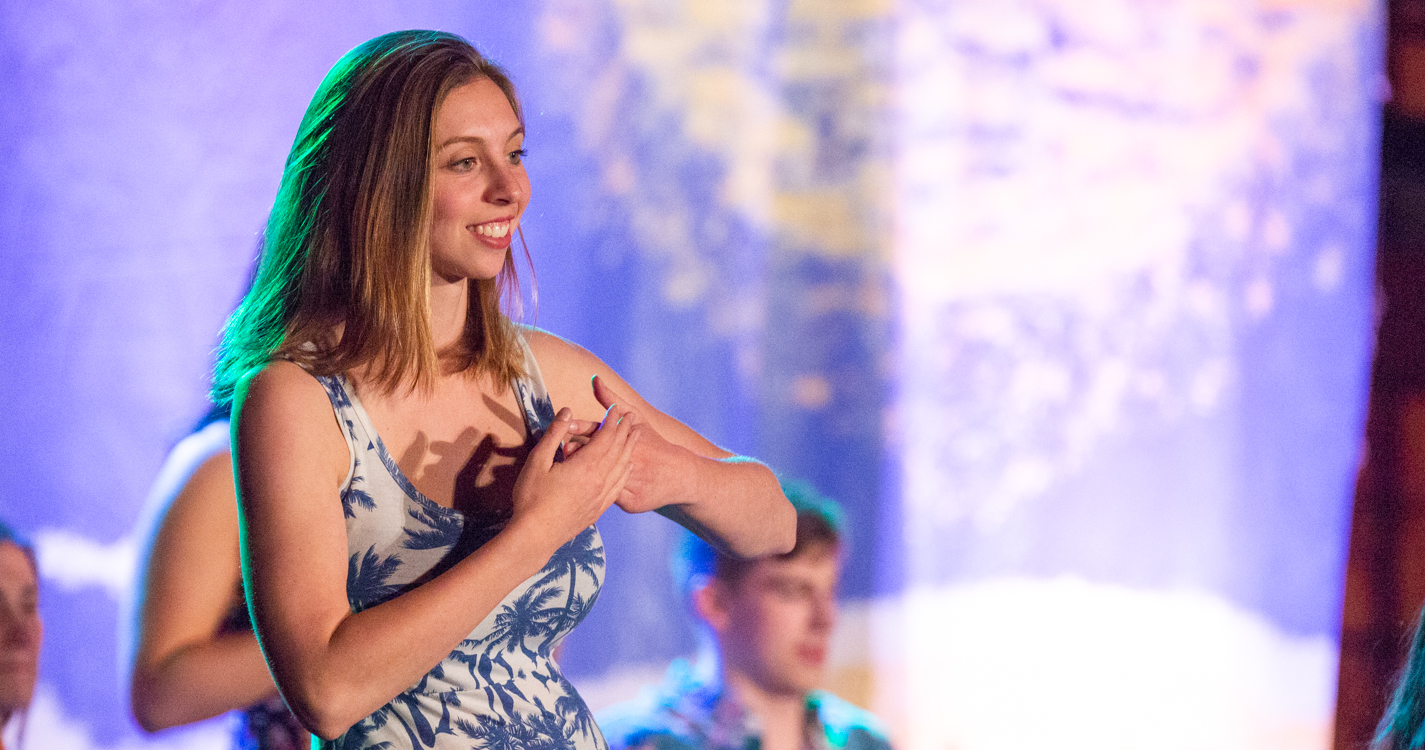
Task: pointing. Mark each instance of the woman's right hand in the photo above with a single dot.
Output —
(558, 500)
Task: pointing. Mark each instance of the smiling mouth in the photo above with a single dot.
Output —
(494, 229)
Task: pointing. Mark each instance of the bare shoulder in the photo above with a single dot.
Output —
(196, 533)
(279, 378)
(554, 351)
(280, 390)
(283, 416)
(210, 488)
(567, 369)
(187, 459)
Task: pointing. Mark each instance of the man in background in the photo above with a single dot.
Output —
(767, 632)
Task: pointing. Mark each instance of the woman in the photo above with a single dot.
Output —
(194, 655)
(19, 628)
(417, 520)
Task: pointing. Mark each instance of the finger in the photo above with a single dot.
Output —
(607, 426)
(633, 438)
(573, 444)
(616, 435)
(614, 412)
(582, 428)
(543, 454)
(616, 492)
(606, 396)
(596, 446)
(621, 446)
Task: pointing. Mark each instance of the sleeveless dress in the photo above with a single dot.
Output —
(500, 687)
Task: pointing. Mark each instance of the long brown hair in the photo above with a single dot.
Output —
(344, 279)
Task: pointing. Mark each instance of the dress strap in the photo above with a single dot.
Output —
(533, 397)
(347, 416)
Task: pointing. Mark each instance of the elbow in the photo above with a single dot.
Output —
(784, 535)
(148, 718)
(775, 532)
(325, 726)
(149, 707)
(781, 534)
(323, 708)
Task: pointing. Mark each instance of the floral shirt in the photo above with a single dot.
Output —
(692, 711)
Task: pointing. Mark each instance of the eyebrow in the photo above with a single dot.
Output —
(475, 139)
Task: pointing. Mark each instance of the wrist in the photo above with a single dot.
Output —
(530, 540)
(689, 475)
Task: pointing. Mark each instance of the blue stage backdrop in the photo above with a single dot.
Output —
(1068, 302)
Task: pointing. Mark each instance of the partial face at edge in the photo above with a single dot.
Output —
(479, 187)
(775, 624)
(19, 629)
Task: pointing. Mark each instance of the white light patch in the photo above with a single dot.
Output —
(1326, 273)
(1086, 214)
(48, 727)
(73, 562)
(1049, 145)
(1260, 298)
(1024, 664)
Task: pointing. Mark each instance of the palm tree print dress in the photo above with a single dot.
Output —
(500, 688)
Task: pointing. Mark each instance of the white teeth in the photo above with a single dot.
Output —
(493, 229)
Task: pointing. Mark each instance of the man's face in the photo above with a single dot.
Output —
(775, 624)
(19, 628)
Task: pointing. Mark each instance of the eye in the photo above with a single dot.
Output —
(517, 156)
(463, 165)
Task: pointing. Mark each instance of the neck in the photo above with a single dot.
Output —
(781, 715)
(448, 303)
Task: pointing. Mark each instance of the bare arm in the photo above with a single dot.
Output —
(335, 667)
(184, 668)
(731, 501)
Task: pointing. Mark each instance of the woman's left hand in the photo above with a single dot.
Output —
(660, 468)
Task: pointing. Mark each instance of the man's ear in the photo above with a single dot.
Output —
(709, 598)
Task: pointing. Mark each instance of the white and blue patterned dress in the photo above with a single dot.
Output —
(500, 688)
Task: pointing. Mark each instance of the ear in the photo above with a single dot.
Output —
(709, 597)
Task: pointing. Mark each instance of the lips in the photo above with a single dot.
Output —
(814, 655)
(495, 234)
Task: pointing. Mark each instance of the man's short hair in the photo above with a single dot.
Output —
(9, 535)
(819, 530)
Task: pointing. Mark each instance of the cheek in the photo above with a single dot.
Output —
(444, 209)
(781, 622)
(524, 190)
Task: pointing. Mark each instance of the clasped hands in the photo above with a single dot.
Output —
(621, 460)
(653, 479)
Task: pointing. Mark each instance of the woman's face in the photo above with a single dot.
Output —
(478, 184)
(19, 629)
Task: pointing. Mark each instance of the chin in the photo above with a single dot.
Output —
(801, 681)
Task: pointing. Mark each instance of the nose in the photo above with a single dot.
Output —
(504, 186)
(17, 629)
(823, 612)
